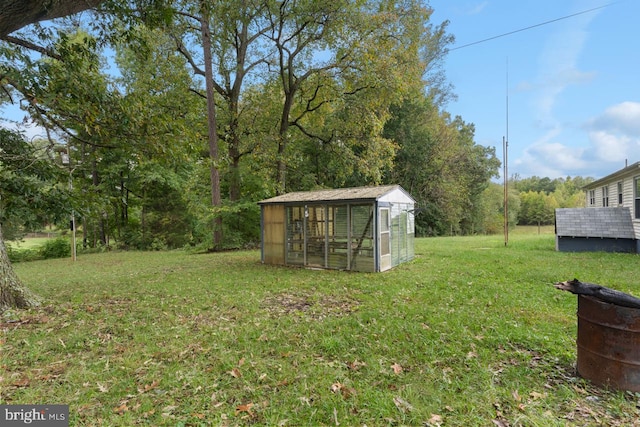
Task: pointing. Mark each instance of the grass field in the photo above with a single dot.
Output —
(470, 333)
(28, 243)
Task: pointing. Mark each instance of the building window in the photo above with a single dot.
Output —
(605, 196)
(592, 197)
(620, 193)
(636, 195)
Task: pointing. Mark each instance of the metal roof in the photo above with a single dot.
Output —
(595, 222)
(618, 174)
(340, 194)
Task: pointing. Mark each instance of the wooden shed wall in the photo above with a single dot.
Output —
(273, 234)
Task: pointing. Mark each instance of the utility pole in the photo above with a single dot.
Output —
(505, 150)
(66, 160)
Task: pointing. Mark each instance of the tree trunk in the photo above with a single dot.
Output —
(216, 198)
(281, 163)
(600, 292)
(235, 181)
(15, 14)
(13, 294)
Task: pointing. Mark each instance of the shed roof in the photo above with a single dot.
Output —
(595, 222)
(340, 194)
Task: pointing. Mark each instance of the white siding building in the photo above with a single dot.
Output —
(619, 189)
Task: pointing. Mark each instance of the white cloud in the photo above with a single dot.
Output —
(547, 157)
(608, 147)
(615, 134)
(477, 8)
(558, 65)
(623, 118)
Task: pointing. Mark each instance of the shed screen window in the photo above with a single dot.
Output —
(592, 197)
(385, 232)
(605, 196)
(316, 232)
(295, 235)
(636, 195)
(338, 244)
(362, 238)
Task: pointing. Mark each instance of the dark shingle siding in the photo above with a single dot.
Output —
(595, 222)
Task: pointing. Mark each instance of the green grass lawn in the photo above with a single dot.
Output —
(28, 243)
(470, 333)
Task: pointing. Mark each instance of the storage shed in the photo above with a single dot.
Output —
(595, 229)
(360, 229)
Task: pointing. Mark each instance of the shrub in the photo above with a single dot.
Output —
(55, 248)
(23, 255)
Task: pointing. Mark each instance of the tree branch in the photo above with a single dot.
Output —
(15, 14)
(32, 46)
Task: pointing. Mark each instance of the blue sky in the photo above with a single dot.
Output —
(573, 85)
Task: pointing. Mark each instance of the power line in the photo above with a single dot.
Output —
(534, 26)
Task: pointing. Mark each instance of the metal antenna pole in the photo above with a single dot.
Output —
(505, 150)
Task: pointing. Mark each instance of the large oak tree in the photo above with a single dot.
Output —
(15, 14)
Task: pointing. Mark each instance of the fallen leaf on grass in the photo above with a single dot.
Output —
(167, 410)
(235, 373)
(402, 405)
(148, 387)
(121, 409)
(103, 388)
(148, 413)
(397, 369)
(22, 383)
(356, 365)
(344, 390)
(435, 420)
(244, 408)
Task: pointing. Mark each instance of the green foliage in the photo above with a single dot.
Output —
(441, 166)
(369, 110)
(242, 224)
(23, 255)
(59, 247)
(29, 191)
(491, 214)
(55, 248)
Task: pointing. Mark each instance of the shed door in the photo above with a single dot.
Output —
(385, 239)
(273, 234)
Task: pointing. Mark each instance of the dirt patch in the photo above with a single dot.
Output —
(314, 307)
